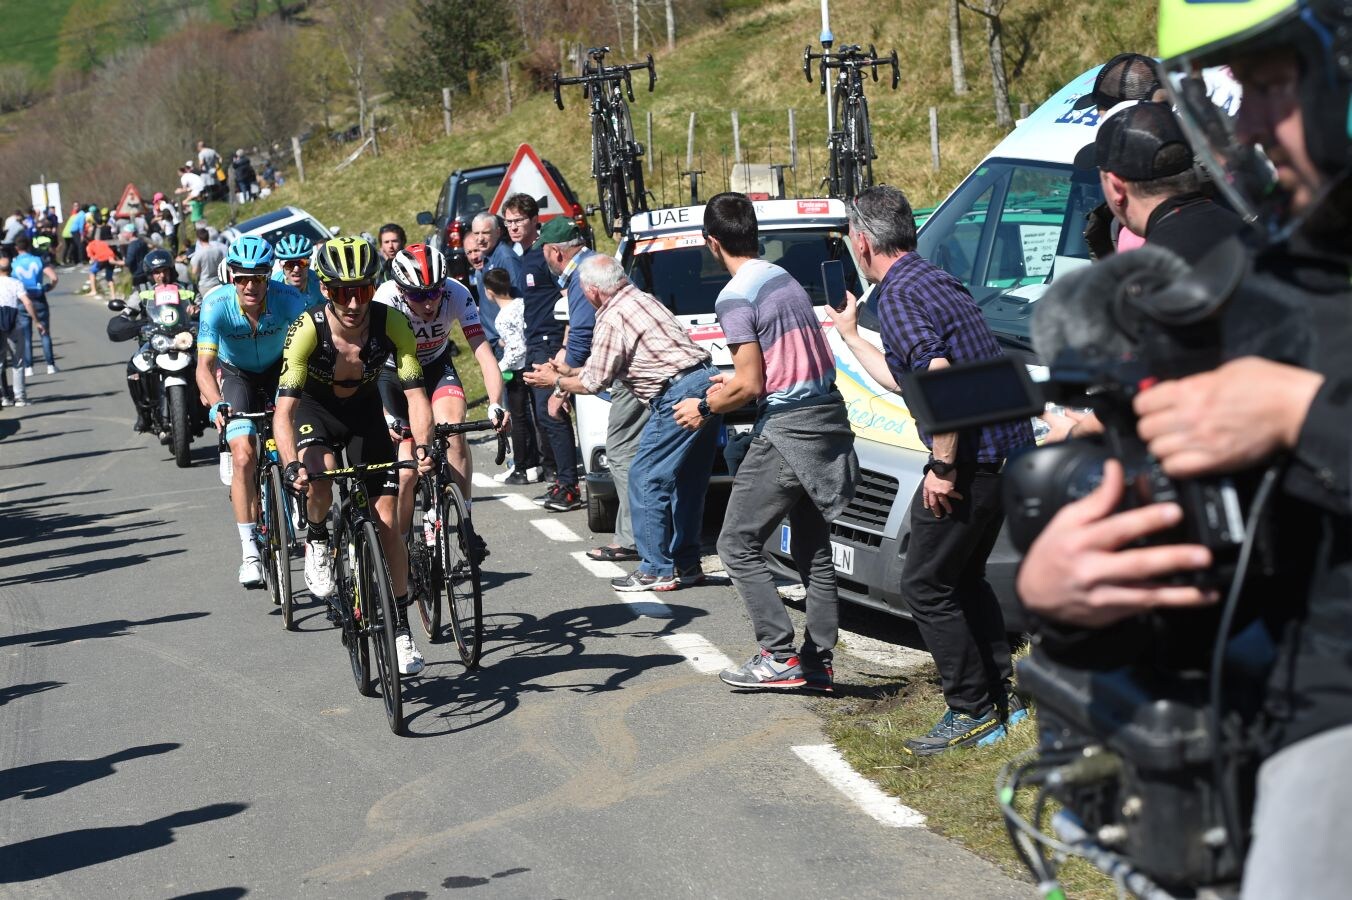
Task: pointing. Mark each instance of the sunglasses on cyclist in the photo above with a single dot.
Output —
(243, 278)
(303, 263)
(345, 294)
(422, 295)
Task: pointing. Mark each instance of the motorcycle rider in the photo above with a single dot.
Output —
(242, 328)
(1285, 162)
(161, 272)
(293, 266)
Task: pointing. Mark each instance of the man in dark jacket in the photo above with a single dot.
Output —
(246, 180)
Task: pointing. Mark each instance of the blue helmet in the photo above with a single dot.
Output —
(249, 252)
(293, 246)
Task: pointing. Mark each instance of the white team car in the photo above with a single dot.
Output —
(274, 225)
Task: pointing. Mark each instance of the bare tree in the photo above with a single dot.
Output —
(18, 87)
(356, 32)
(634, 29)
(954, 47)
(995, 49)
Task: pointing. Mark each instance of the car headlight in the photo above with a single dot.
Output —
(160, 342)
(183, 340)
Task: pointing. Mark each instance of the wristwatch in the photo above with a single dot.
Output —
(939, 467)
(558, 388)
(704, 411)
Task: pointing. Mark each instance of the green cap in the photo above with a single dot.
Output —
(558, 230)
(1189, 28)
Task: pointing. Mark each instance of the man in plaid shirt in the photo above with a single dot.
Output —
(638, 341)
(930, 321)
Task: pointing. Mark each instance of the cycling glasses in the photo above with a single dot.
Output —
(422, 295)
(243, 278)
(343, 294)
(302, 263)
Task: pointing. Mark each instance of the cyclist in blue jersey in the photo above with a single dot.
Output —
(293, 253)
(241, 329)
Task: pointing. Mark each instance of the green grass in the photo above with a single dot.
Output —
(956, 790)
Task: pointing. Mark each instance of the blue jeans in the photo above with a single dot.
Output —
(559, 432)
(26, 327)
(669, 478)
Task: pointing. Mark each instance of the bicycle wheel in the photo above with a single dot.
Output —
(464, 594)
(630, 165)
(352, 598)
(279, 546)
(424, 563)
(263, 529)
(381, 622)
(862, 143)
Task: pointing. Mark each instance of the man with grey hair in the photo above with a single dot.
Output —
(930, 321)
(638, 342)
(497, 254)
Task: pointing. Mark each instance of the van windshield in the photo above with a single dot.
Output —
(1010, 225)
(680, 272)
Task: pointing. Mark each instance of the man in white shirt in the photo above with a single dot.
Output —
(13, 297)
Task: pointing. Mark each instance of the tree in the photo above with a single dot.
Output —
(357, 30)
(449, 39)
(954, 48)
(995, 50)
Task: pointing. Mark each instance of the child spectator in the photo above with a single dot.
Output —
(497, 284)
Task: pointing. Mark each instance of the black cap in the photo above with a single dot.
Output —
(1127, 76)
(1142, 143)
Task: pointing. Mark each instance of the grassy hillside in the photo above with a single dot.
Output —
(751, 62)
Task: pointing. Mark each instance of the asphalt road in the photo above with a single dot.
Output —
(161, 735)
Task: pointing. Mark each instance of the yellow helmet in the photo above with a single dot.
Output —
(345, 261)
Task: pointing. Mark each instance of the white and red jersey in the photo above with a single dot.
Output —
(432, 334)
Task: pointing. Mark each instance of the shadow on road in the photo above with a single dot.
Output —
(83, 547)
(111, 628)
(86, 568)
(47, 779)
(8, 427)
(230, 893)
(15, 691)
(57, 853)
(526, 655)
(93, 451)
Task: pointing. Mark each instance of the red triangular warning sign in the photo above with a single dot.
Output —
(129, 205)
(527, 175)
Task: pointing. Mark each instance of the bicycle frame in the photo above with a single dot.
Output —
(850, 142)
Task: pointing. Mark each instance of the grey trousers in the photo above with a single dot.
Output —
(1299, 844)
(628, 415)
(765, 491)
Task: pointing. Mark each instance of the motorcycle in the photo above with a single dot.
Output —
(165, 361)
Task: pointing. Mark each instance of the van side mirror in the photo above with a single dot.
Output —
(425, 218)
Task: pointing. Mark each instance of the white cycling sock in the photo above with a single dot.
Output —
(246, 540)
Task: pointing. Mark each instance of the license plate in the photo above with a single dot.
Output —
(842, 555)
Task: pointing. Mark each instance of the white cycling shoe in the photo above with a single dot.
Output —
(319, 569)
(251, 573)
(410, 660)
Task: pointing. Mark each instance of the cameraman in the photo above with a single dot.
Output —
(1294, 114)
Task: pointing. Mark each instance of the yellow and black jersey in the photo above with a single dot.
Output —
(309, 356)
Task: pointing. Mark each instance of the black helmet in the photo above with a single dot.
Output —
(157, 259)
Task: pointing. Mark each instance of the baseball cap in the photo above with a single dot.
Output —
(1127, 76)
(558, 230)
(1142, 143)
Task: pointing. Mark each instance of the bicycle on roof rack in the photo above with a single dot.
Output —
(615, 152)
(850, 142)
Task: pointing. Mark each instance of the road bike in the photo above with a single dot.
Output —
(440, 555)
(615, 152)
(364, 599)
(850, 169)
(274, 525)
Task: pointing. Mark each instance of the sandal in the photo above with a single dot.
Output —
(613, 554)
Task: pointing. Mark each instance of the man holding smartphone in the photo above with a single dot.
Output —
(929, 322)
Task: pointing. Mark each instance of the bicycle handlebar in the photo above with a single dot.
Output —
(447, 429)
(256, 417)
(603, 74)
(850, 56)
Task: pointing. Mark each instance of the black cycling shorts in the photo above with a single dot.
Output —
(359, 426)
(439, 380)
(247, 392)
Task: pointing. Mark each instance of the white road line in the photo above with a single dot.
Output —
(514, 501)
(598, 567)
(646, 604)
(866, 795)
(704, 656)
(479, 479)
(554, 529)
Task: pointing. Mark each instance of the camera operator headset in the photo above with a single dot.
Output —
(1285, 165)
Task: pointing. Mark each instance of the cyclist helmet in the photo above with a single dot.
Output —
(293, 246)
(249, 253)
(155, 260)
(419, 267)
(345, 261)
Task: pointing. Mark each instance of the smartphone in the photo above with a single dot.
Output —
(833, 283)
(971, 395)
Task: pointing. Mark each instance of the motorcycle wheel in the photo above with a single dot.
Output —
(180, 437)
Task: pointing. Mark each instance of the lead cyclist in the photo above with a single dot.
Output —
(420, 289)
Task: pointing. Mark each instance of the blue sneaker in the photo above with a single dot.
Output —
(956, 730)
(1015, 710)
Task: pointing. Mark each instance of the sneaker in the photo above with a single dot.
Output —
(22, 401)
(565, 499)
(319, 569)
(251, 573)
(690, 577)
(5, 401)
(955, 730)
(410, 660)
(819, 677)
(765, 673)
(28, 371)
(1016, 710)
(642, 581)
(547, 495)
(533, 475)
(52, 369)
